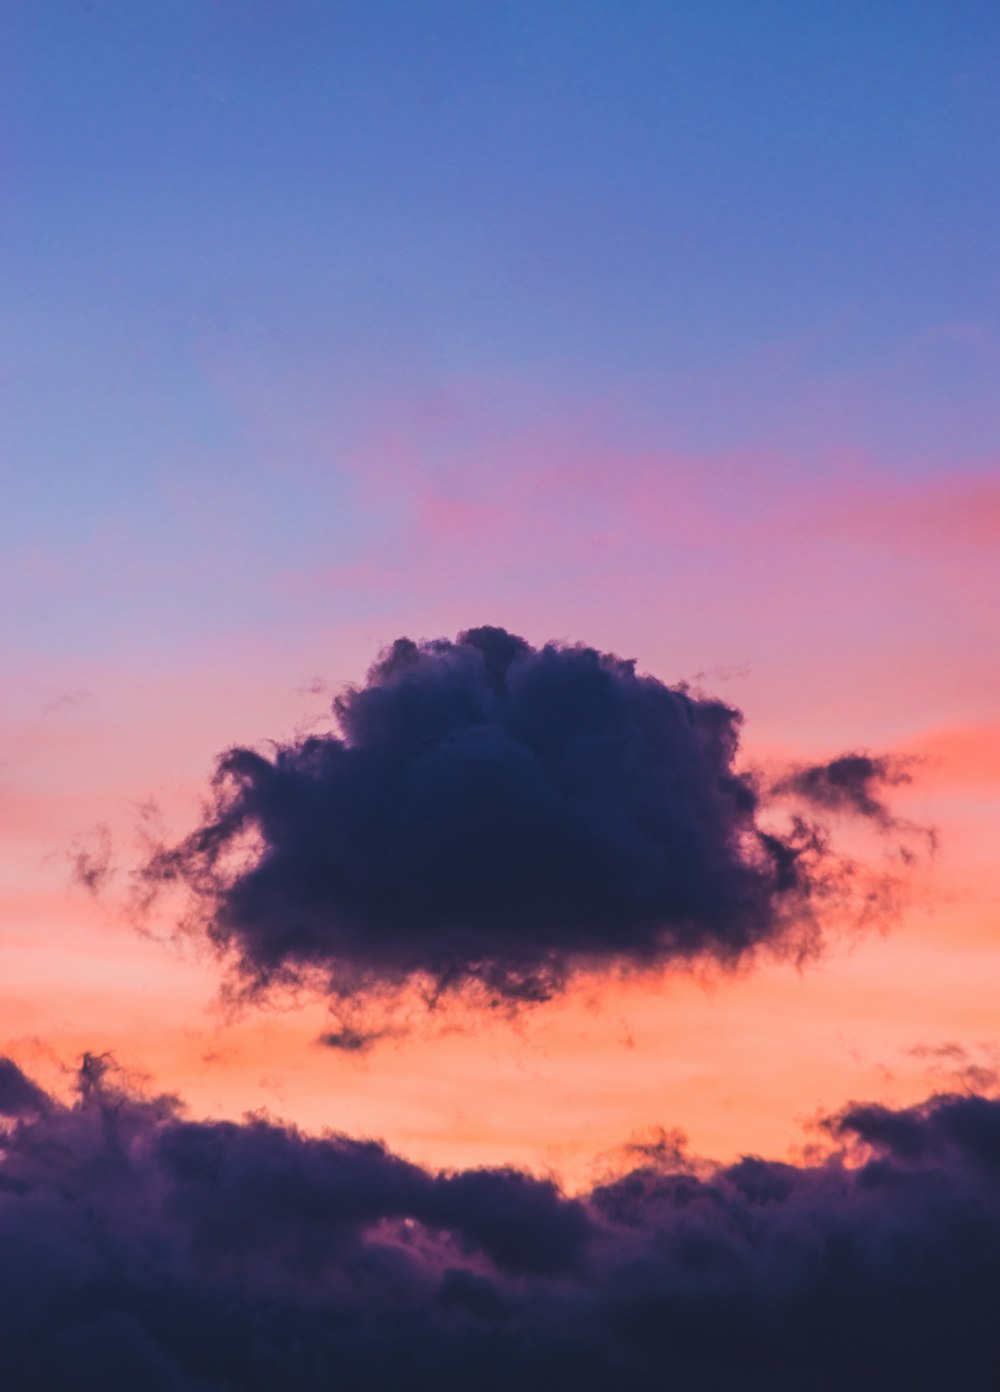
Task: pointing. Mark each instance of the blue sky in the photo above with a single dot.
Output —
(244, 241)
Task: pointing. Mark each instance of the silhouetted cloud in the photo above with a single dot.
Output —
(351, 1041)
(19, 1096)
(955, 1065)
(140, 1249)
(851, 783)
(502, 815)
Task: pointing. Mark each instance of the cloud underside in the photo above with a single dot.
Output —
(140, 1249)
(498, 815)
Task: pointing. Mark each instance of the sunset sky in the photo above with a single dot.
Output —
(672, 329)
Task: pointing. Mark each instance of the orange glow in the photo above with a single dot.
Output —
(738, 1063)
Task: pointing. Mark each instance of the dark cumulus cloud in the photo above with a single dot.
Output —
(496, 814)
(139, 1249)
(19, 1096)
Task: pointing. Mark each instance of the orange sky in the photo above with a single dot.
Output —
(738, 1063)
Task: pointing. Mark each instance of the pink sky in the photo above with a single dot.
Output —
(837, 612)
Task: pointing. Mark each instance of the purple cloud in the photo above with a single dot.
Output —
(138, 1248)
(500, 815)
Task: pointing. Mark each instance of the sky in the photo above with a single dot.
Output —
(669, 329)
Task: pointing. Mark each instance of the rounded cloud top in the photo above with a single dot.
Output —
(498, 814)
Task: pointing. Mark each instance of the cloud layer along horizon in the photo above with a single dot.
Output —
(141, 1249)
(499, 815)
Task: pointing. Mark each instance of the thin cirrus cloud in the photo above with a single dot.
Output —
(140, 1248)
(501, 816)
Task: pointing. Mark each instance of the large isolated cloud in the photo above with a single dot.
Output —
(142, 1250)
(500, 814)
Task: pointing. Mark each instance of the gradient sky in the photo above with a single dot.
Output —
(669, 327)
